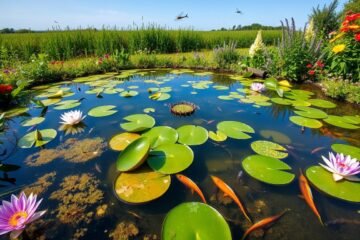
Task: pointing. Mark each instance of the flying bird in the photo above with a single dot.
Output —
(181, 16)
(56, 22)
(238, 11)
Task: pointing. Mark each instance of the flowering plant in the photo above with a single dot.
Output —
(344, 49)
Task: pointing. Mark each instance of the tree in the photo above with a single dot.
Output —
(326, 19)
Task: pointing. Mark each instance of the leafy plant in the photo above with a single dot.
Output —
(226, 54)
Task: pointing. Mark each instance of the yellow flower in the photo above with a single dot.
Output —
(338, 48)
(337, 37)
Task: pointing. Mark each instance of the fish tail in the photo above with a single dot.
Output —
(247, 217)
(321, 221)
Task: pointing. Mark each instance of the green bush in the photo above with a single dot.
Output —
(342, 90)
(226, 55)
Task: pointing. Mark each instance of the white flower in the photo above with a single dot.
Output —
(72, 117)
(257, 46)
(258, 87)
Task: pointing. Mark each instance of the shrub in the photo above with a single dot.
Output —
(226, 55)
(342, 90)
(295, 53)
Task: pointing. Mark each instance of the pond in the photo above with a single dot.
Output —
(263, 141)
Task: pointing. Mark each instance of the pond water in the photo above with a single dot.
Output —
(75, 173)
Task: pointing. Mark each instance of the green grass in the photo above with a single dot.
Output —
(61, 45)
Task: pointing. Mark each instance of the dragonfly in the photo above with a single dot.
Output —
(238, 11)
(181, 16)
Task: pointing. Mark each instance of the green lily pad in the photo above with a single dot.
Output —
(192, 135)
(32, 121)
(281, 101)
(161, 135)
(138, 122)
(33, 138)
(68, 104)
(310, 112)
(306, 122)
(16, 112)
(275, 136)
(141, 186)
(235, 129)
(352, 119)
(345, 149)
(50, 101)
(218, 136)
(170, 158)
(102, 111)
(195, 221)
(161, 97)
(323, 180)
(133, 155)
(110, 91)
(225, 97)
(120, 141)
(300, 103)
(149, 110)
(129, 93)
(268, 170)
(271, 83)
(269, 149)
(340, 122)
(321, 103)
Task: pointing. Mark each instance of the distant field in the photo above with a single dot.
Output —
(61, 45)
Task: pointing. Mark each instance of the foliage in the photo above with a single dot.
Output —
(226, 55)
(296, 53)
(326, 19)
(344, 49)
(342, 90)
(351, 6)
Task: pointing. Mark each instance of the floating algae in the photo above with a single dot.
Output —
(76, 194)
(41, 185)
(124, 231)
(72, 150)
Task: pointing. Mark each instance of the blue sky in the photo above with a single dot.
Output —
(204, 15)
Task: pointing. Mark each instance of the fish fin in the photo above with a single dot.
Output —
(226, 195)
(301, 196)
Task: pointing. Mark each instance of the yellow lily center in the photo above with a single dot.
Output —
(17, 218)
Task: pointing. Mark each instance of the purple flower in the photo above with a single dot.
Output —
(15, 215)
(258, 87)
(342, 166)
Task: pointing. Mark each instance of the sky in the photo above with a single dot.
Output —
(203, 15)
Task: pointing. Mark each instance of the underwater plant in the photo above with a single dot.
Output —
(342, 166)
(15, 215)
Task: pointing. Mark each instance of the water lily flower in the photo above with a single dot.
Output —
(338, 48)
(342, 166)
(258, 87)
(72, 117)
(15, 215)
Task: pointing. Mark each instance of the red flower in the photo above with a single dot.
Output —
(309, 65)
(311, 72)
(352, 17)
(357, 37)
(320, 64)
(107, 56)
(5, 88)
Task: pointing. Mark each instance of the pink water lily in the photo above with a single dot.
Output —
(342, 166)
(258, 87)
(15, 215)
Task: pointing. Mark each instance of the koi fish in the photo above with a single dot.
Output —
(308, 197)
(315, 150)
(97, 168)
(210, 121)
(229, 192)
(190, 184)
(263, 223)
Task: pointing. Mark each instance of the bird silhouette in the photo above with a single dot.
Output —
(181, 16)
(238, 11)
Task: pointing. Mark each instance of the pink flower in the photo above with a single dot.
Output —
(15, 215)
(258, 87)
(309, 65)
(311, 72)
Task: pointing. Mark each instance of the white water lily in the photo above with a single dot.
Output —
(257, 46)
(72, 117)
(342, 167)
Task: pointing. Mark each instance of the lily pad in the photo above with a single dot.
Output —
(275, 136)
(345, 149)
(16, 112)
(102, 111)
(323, 180)
(310, 112)
(281, 101)
(149, 110)
(340, 122)
(321, 103)
(235, 129)
(133, 155)
(192, 135)
(129, 93)
(138, 122)
(195, 220)
(50, 101)
(269, 149)
(218, 136)
(306, 122)
(32, 121)
(170, 158)
(161, 135)
(68, 104)
(268, 170)
(141, 186)
(37, 138)
(120, 141)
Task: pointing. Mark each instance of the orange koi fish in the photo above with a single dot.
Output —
(190, 184)
(229, 192)
(263, 223)
(308, 197)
